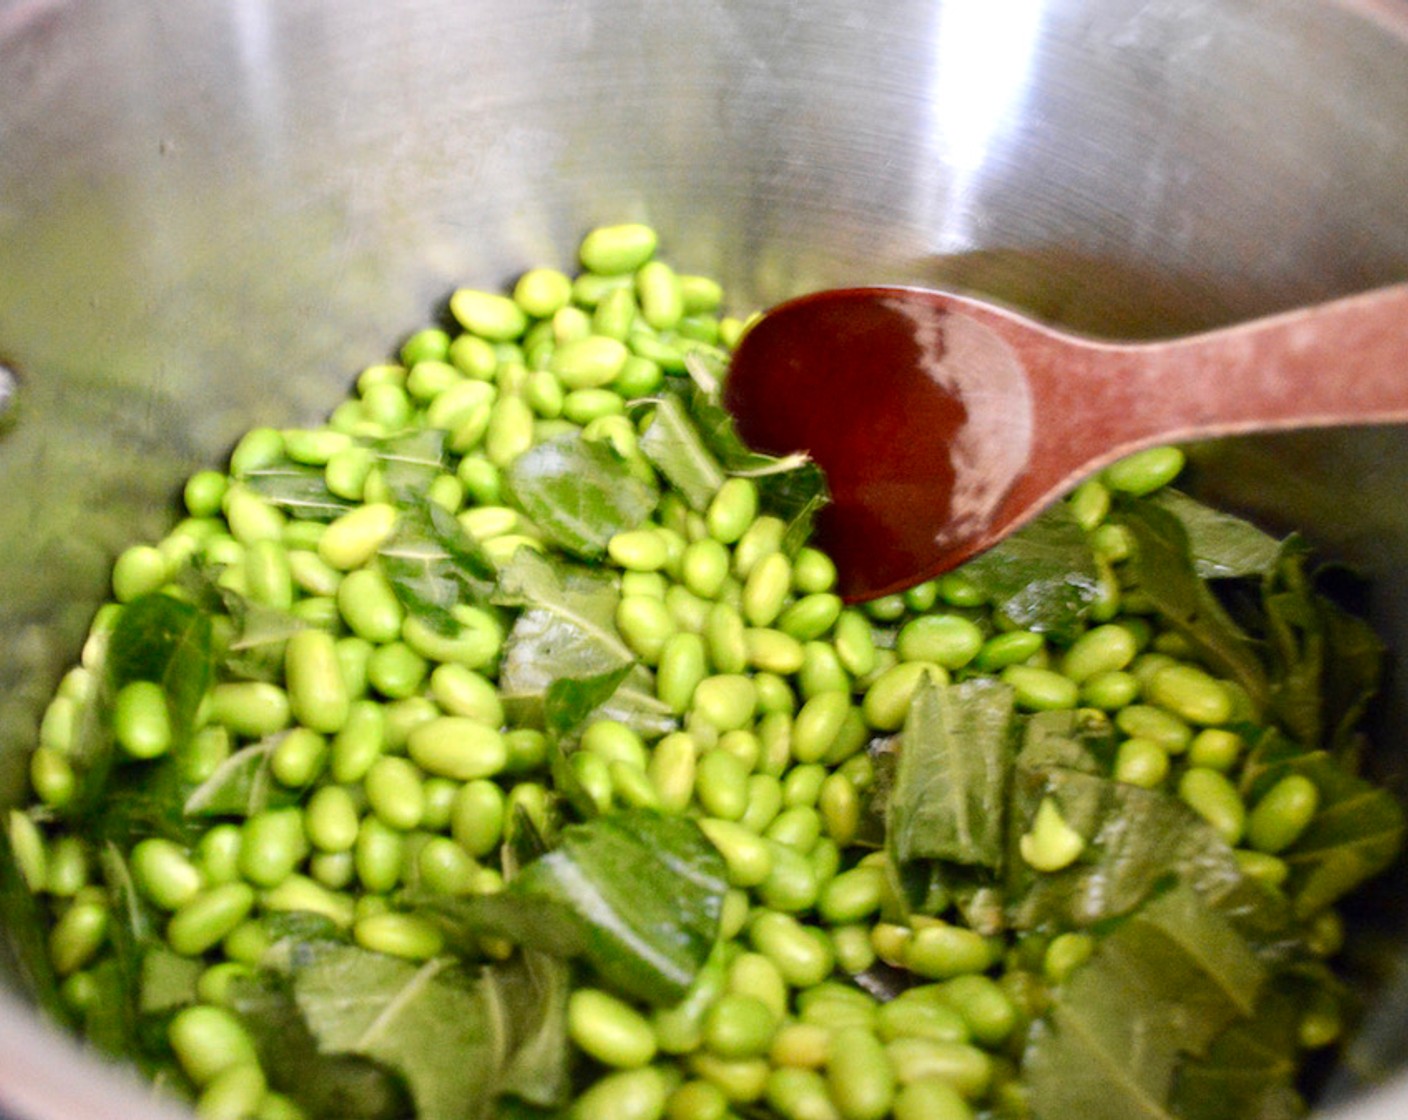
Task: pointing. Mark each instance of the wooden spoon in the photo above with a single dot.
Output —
(944, 423)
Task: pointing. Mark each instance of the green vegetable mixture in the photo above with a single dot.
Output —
(501, 749)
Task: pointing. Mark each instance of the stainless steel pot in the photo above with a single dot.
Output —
(212, 214)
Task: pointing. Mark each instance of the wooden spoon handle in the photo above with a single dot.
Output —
(1344, 362)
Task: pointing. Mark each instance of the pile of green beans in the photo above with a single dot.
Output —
(406, 769)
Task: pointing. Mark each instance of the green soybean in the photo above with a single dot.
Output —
(1283, 814)
(609, 1030)
(205, 920)
(141, 720)
(633, 1094)
(209, 1040)
(860, 1075)
(458, 747)
(1216, 800)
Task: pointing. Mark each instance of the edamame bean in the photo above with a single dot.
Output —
(252, 709)
(461, 691)
(1110, 691)
(721, 785)
(732, 510)
(1216, 800)
(1141, 762)
(354, 538)
(141, 720)
(272, 844)
(853, 895)
(682, 665)
(617, 249)
(724, 635)
(316, 691)
(396, 670)
(765, 589)
(458, 747)
(1147, 722)
(948, 640)
(1103, 649)
(632, 1094)
(887, 700)
(800, 1094)
(1216, 748)
(931, 1098)
(395, 792)
(209, 1040)
(817, 724)
(399, 935)
(378, 855)
(205, 920)
(489, 315)
(1052, 844)
(369, 606)
(672, 771)
(77, 936)
(803, 958)
(964, 1067)
(1144, 471)
(138, 571)
(772, 651)
(727, 701)
(477, 817)
(660, 295)
(704, 567)
(609, 1030)
(942, 951)
(1041, 690)
(646, 625)
(1283, 814)
(1191, 694)
(855, 645)
(860, 1075)
(164, 873)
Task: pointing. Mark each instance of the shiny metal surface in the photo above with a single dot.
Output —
(213, 213)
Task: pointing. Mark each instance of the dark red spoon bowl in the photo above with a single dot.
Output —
(944, 423)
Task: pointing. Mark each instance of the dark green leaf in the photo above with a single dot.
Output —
(1164, 571)
(1249, 1072)
(1357, 833)
(241, 786)
(529, 993)
(433, 565)
(255, 647)
(24, 936)
(673, 444)
(636, 893)
(1354, 664)
(1164, 984)
(570, 700)
(1326, 663)
(1137, 841)
(298, 489)
(793, 489)
(161, 639)
(140, 800)
(949, 797)
(326, 1085)
(579, 493)
(168, 980)
(157, 638)
(428, 1022)
(133, 932)
(568, 632)
(1222, 545)
(410, 462)
(1043, 577)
